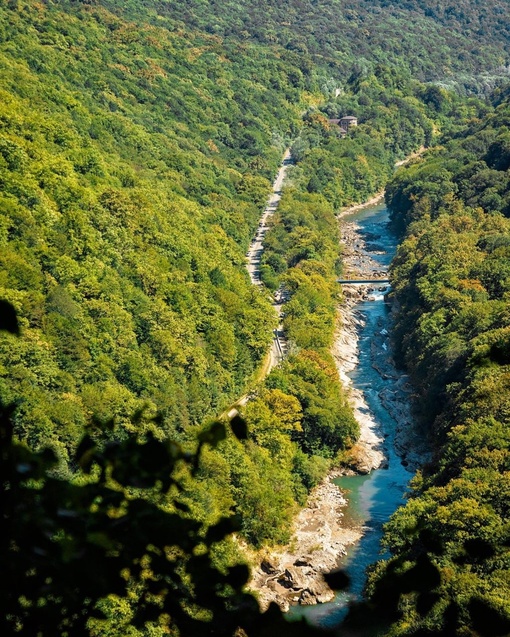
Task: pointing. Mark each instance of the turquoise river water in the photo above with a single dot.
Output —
(374, 497)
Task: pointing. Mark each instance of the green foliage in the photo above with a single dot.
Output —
(428, 39)
(129, 193)
(450, 280)
(120, 547)
(327, 425)
(137, 144)
(115, 551)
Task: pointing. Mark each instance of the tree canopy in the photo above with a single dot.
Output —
(450, 280)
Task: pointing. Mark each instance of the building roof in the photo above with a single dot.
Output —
(349, 117)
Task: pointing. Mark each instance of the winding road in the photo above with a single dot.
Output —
(254, 255)
(279, 346)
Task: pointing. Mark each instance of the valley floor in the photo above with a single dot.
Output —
(293, 574)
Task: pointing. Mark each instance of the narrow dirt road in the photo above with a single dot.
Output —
(279, 344)
(256, 248)
(254, 256)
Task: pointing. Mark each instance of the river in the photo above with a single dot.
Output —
(374, 497)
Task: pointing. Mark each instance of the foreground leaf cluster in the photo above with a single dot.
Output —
(116, 543)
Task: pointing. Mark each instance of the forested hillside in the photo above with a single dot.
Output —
(138, 141)
(462, 44)
(134, 166)
(451, 283)
(135, 163)
(110, 124)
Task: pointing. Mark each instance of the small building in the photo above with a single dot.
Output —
(336, 122)
(348, 121)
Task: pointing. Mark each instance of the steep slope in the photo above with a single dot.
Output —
(463, 44)
(452, 284)
(134, 163)
(137, 144)
(135, 158)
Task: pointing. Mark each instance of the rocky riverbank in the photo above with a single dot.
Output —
(410, 442)
(367, 454)
(294, 574)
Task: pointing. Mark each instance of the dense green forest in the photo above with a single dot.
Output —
(138, 141)
(451, 282)
(130, 193)
(135, 163)
(462, 44)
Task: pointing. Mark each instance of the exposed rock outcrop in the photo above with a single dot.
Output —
(294, 575)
